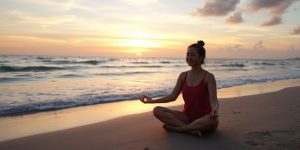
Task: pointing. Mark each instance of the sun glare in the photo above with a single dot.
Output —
(138, 43)
(136, 51)
(138, 54)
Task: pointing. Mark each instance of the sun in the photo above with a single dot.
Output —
(139, 43)
(138, 54)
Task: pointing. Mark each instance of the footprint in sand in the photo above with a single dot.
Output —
(260, 133)
(254, 143)
(236, 112)
(283, 131)
(260, 138)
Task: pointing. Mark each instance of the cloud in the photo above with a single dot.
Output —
(235, 18)
(259, 4)
(217, 7)
(272, 21)
(139, 2)
(258, 45)
(296, 30)
(25, 17)
(79, 6)
(61, 4)
(276, 9)
(235, 48)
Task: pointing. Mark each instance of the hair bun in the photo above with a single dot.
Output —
(201, 43)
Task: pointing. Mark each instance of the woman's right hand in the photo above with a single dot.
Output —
(145, 99)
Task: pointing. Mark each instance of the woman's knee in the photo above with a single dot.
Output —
(211, 127)
(158, 110)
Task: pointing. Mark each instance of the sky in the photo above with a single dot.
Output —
(257, 29)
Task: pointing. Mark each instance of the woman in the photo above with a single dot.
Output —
(199, 92)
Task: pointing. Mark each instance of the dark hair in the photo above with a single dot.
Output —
(200, 49)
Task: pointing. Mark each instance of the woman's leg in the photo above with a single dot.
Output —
(197, 127)
(205, 124)
(170, 117)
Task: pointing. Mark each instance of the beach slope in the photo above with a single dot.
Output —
(265, 121)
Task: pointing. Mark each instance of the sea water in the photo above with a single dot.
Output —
(39, 83)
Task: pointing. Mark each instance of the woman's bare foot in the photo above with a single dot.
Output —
(196, 133)
(168, 128)
(171, 128)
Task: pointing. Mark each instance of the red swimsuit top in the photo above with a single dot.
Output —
(196, 98)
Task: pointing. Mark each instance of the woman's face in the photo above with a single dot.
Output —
(192, 57)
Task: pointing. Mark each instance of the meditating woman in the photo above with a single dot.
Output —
(198, 87)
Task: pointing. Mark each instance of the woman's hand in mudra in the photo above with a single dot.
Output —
(145, 99)
(214, 114)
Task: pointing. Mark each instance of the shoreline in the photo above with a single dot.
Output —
(12, 127)
(263, 121)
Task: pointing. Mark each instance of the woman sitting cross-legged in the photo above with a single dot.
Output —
(198, 87)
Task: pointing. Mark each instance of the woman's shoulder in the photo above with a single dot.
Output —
(183, 74)
(209, 73)
(209, 76)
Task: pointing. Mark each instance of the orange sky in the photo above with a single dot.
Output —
(150, 28)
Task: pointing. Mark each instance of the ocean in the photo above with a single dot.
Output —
(40, 83)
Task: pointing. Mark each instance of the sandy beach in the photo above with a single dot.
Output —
(262, 121)
(80, 75)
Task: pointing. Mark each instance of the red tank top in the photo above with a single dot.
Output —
(196, 98)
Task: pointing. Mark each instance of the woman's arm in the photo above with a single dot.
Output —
(212, 89)
(172, 97)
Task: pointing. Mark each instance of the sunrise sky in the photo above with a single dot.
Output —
(150, 28)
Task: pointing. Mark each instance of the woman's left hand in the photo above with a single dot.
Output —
(214, 114)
